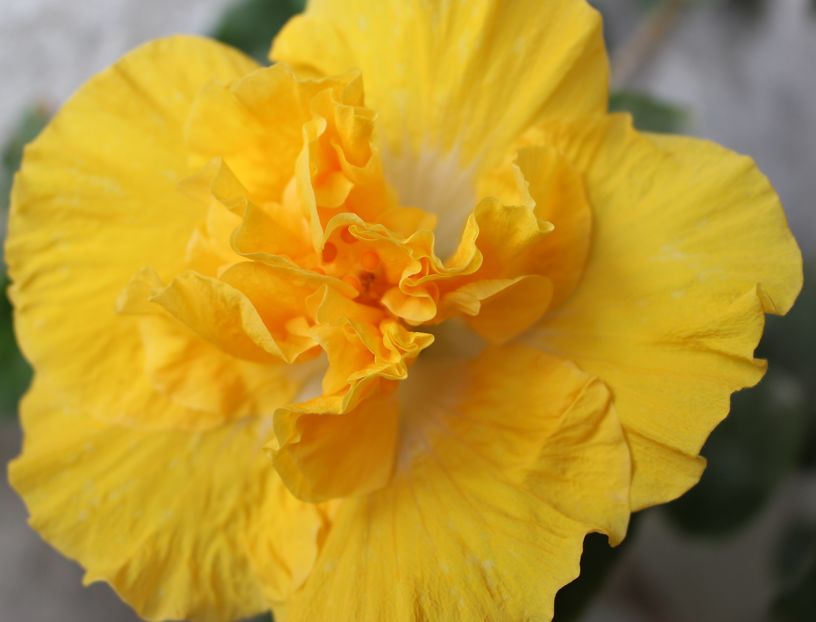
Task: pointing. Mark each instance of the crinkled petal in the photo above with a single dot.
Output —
(536, 175)
(97, 199)
(200, 376)
(690, 247)
(336, 447)
(222, 315)
(343, 442)
(183, 525)
(255, 124)
(504, 286)
(507, 462)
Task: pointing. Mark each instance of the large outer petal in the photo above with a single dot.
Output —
(507, 463)
(97, 199)
(466, 76)
(192, 525)
(690, 247)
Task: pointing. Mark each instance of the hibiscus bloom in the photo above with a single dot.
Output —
(382, 331)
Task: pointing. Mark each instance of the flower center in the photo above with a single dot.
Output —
(356, 263)
(437, 183)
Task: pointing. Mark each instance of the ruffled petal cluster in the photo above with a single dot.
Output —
(383, 330)
(320, 258)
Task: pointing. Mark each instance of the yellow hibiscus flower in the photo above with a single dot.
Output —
(379, 332)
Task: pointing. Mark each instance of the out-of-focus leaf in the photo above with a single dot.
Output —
(597, 562)
(750, 7)
(790, 344)
(250, 25)
(808, 458)
(15, 374)
(650, 114)
(32, 121)
(264, 617)
(796, 550)
(790, 341)
(797, 601)
(748, 455)
(795, 563)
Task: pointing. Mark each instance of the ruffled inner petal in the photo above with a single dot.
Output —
(325, 259)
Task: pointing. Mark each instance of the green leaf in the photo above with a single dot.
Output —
(250, 25)
(790, 341)
(796, 601)
(790, 344)
(796, 550)
(15, 374)
(31, 123)
(748, 455)
(650, 114)
(750, 7)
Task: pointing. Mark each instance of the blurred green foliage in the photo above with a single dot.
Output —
(15, 374)
(790, 345)
(796, 551)
(30, 124)
(752, 7)
(250, 25)
(797, 600)
(650, 113)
